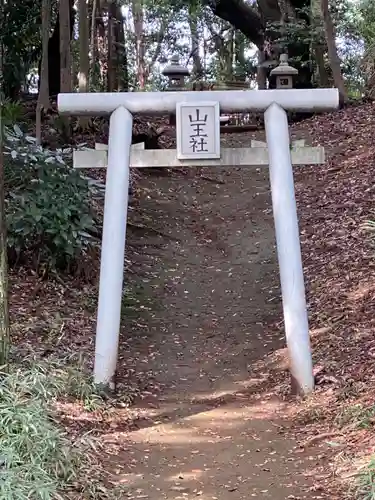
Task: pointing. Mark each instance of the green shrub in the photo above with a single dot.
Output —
(11, 112)
(57, 378)
(38, 460)
(49, 215)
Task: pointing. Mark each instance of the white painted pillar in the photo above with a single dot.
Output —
(288, 247)
(113, 246)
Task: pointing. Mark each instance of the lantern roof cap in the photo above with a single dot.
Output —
(284, 69)
(174, 68)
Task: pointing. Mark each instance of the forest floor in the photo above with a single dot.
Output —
(202, 352)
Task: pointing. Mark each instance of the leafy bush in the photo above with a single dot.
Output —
(49, 216)
(10, 112)
(36, 457)
(38, 461)
(56, 378)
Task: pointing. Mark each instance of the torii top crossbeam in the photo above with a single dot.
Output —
(235, 101)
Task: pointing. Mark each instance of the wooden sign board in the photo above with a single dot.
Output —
(198, 130)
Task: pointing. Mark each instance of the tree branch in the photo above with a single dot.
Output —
(240, 15)
(270, 10)
(159, 40)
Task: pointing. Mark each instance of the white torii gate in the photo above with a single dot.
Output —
(274, 104)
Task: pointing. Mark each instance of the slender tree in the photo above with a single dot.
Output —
(112, 71)
(4, 306)
(84, 61)
(140, 48)
(84, 64)
(65, 52)
(332, 50)
(65, 55)
(43, 97)
(195, 42)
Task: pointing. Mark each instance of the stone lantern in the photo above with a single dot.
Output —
(284, 73)
(176, 74)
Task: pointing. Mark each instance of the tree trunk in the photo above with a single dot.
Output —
(43, 97)
(84, 65)
(319, 45)
(261, 71)
(54, 60)
(84, 62)
(65, 53)
(300, 51)
(65, 57)
(4, 306)
(224, 47)
(54, 52)
(229, 57)
(101, 46)
(323, 77)
(123, 77)
(93, 52)
(332, 50)
(194, 34)
(112, 73)
(111, 66)
(140, 50)
(239, 50)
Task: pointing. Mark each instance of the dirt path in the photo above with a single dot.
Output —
(212, 431)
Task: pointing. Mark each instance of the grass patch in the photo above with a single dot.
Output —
(366, 482)
(38, 460)
(311, 414)
(357, 415)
